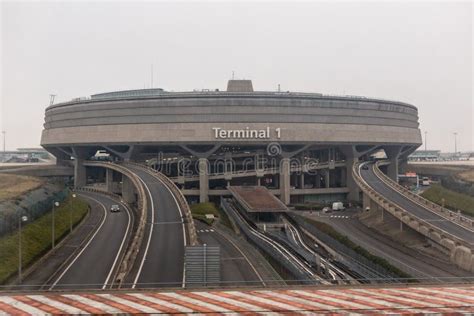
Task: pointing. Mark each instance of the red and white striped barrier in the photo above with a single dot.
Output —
(406, 300)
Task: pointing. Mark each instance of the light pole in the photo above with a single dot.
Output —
(4, 142)
(455, 143)
(70, 213)
(20, 220)
(426, 141)
(55, 204)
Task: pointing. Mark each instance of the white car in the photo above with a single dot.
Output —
(115, 208)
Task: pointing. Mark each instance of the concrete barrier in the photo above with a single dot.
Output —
(134, 247)
(183, 204)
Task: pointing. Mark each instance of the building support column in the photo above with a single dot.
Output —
(327, 178)
(109, 180)
(350, 182)
(127, 190)
(285, 180)
(366, 203)
(393, 152)
(80, 173)
(302, 180)
(203, 180)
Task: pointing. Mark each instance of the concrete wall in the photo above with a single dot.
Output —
(190, 118)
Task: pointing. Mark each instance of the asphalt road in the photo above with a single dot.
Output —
(94, 265)
(397, 198)
(236, 270)
(160, 261)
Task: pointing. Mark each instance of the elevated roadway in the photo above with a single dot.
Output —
(455, 234)
(160, 259)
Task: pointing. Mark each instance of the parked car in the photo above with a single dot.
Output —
(326, 210)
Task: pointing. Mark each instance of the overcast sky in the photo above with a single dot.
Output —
(416, 53)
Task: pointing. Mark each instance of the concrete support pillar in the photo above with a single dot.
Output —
(109, 180)
(317, 181)
(350, 182)
(127, 190)
(80, 174)
(393, 153)
(203, 180)
(302, 180)
(327, 178)
(285, 181)
(259, 181)
(366, 201)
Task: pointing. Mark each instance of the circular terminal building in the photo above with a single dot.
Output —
(300, 146)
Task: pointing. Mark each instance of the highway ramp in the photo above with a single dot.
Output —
(394, 196)
(160, 261)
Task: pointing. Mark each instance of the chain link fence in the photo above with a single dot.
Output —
(29, 206)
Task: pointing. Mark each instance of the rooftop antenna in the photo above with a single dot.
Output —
(279, 90)
(51, 99)
(232, 75)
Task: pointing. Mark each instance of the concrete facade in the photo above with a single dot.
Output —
(133, 127)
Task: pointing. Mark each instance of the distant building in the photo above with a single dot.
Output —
(425, 155)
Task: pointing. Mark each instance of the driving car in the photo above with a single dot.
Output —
(115, 208)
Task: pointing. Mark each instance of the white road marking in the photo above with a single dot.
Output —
(85, 247)
(149, 235)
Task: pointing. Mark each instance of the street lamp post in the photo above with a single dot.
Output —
(20, 220)
(55, 204)
(426, 141)
(455, 143)
(70, 213)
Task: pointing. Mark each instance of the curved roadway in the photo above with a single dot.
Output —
(94, 266)
(394, 196)
(160, 261)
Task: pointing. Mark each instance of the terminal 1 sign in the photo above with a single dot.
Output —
(246, 133)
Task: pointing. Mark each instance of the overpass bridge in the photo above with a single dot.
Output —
(450, 231)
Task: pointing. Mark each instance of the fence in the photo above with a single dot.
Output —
(29, 207)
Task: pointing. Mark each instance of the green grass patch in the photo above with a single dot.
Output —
(343, 239)
(36, 236)
(452, 200)
(200, 210)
